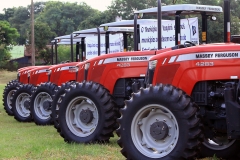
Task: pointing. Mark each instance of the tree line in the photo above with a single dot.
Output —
(61, 18)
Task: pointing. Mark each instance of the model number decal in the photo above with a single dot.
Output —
(123, 65)
(205, 64)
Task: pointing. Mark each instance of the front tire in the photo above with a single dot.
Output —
(86, 114)
(159, 123)
(56, 99)
(41, 102)
(21, 103)
(8, 93)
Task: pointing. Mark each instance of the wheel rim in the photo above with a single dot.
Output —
(22, 105)
(42, 105)
(82, 116)
(9, 96)
(218, 143)
(146, 139)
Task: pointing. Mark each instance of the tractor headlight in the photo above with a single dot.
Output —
(87, 65)
(152, 64)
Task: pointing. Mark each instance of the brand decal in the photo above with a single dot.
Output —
(208, 55)
(127, 59)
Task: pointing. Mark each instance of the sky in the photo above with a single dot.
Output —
(96, 4)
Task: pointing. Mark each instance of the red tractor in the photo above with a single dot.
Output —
(10, 88)
(42, 96)
(88, 110)
(191, 101)
(20, 99)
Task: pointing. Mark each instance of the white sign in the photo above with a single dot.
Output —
(148, 33)
(115, 45)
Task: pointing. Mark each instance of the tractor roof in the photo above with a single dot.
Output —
(102, 31)
(77, 35)
(171, 10)
(127, 23)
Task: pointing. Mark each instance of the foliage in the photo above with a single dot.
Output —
(126, 8)
(8, 13)
(7, 34)
(45, 55)
(7, 37)
(64, 53)
(64, 18)
(42, 34)
(97, 19)
(21, 21)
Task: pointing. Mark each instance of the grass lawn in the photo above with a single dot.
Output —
(17, 52)
(21, 141)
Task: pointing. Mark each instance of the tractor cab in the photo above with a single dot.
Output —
(112, 43)
(206, 11)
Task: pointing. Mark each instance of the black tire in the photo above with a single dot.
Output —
(8, 92)
(21, 103)
(146, 126)
(41, 102)
(57, 93)
(86, 114)
(229, 149)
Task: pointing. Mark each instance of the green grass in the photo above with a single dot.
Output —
(21, 141)
(29, 141)
(6, 76)
(17, 52)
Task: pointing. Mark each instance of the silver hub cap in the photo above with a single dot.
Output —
(218, 143)
(22, 105)
(82, 116)
(154, 131)
(42, 103)
(9, 96)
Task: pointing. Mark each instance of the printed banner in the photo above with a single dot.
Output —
(148, 33)
(115, 44)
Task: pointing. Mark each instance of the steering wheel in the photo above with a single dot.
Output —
(189, 44)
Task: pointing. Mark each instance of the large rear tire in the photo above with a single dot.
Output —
(86, 114)
(8, 92)
(56, 99)
(21, 103)
(159, 122)
(41, 102)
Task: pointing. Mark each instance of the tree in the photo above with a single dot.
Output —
(42, 35)
(97, 19)
(126, 8)
(21, 21)
(64, 18)
(8, 36)
(8, 13)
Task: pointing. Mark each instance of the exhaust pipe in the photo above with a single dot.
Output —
(159, 17)
(227, 34)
